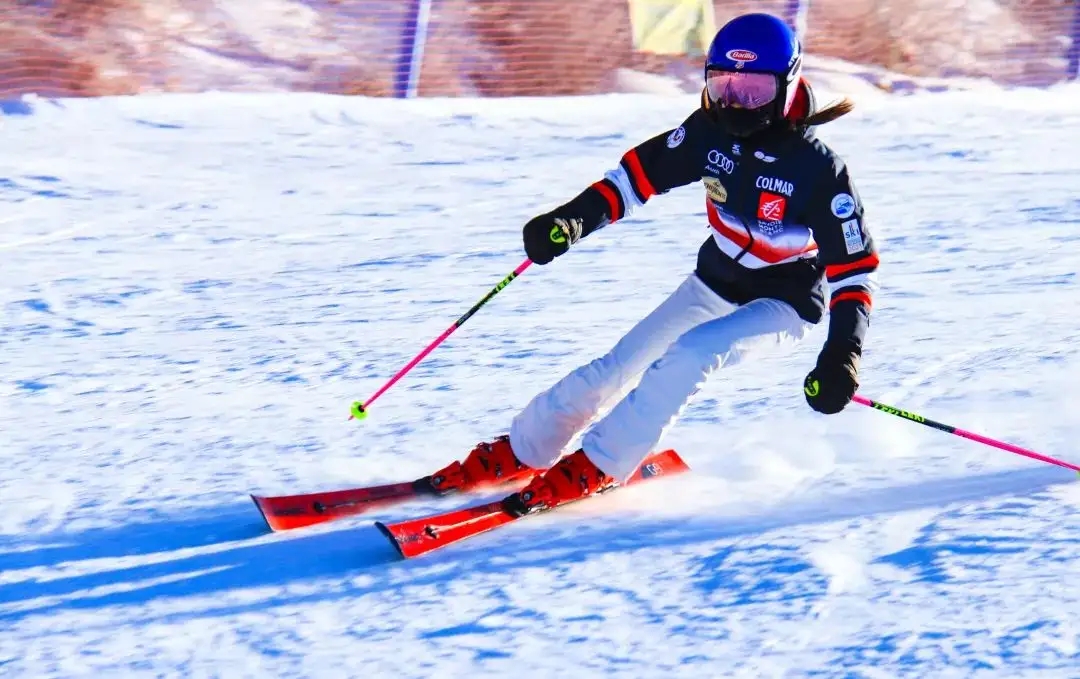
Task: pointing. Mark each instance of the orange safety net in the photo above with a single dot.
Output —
(490, 47)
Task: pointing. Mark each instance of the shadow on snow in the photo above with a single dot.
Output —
(237, 554)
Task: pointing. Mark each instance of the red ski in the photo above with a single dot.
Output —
(286, 512)
(414, 537)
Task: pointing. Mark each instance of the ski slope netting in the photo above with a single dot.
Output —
(494, 47)
(196, 287)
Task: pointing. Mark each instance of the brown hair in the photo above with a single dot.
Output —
(828, 114)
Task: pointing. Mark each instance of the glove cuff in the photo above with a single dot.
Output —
(590, 207)
(845, 354)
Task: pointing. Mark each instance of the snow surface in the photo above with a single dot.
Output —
(197, 286)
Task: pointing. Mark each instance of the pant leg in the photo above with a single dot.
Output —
(540, 432)
(621, 440)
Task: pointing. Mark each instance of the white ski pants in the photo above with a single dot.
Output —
(659, 365)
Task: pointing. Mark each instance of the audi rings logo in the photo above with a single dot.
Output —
(718, 162)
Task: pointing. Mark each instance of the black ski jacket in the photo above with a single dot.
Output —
(784, 216)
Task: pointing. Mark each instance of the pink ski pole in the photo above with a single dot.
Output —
(949, 429)
(359, 409)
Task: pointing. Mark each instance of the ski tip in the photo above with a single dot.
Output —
(390, 536)
(666, 462)
(678, 459)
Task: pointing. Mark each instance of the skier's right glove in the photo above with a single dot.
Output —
(549, 235)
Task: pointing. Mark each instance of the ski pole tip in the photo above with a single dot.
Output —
(357, 411)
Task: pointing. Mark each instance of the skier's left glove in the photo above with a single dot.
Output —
(832, 383)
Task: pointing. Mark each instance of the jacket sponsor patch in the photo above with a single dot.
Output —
(843, 205)
(776, 185)
(714, 189)
(718, 163)
(853, 239)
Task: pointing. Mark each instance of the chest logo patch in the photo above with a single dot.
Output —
(771, 207)
(718, 163)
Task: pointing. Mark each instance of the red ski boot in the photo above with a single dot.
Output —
(488, 464)
(572, 478)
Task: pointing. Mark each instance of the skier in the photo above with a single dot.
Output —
(785, 217)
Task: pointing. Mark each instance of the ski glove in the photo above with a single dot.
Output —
(832, 383)
(549, 235)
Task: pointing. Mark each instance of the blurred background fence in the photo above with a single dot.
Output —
(496, 47)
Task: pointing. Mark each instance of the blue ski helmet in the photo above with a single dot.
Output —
(752, 72)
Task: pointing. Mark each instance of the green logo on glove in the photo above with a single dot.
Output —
(557, 234)
(812, 388)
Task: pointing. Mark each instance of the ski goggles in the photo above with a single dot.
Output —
(744, 90)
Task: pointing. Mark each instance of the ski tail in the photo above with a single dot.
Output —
(288, 512)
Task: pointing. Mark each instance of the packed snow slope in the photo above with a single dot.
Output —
(196, 287)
